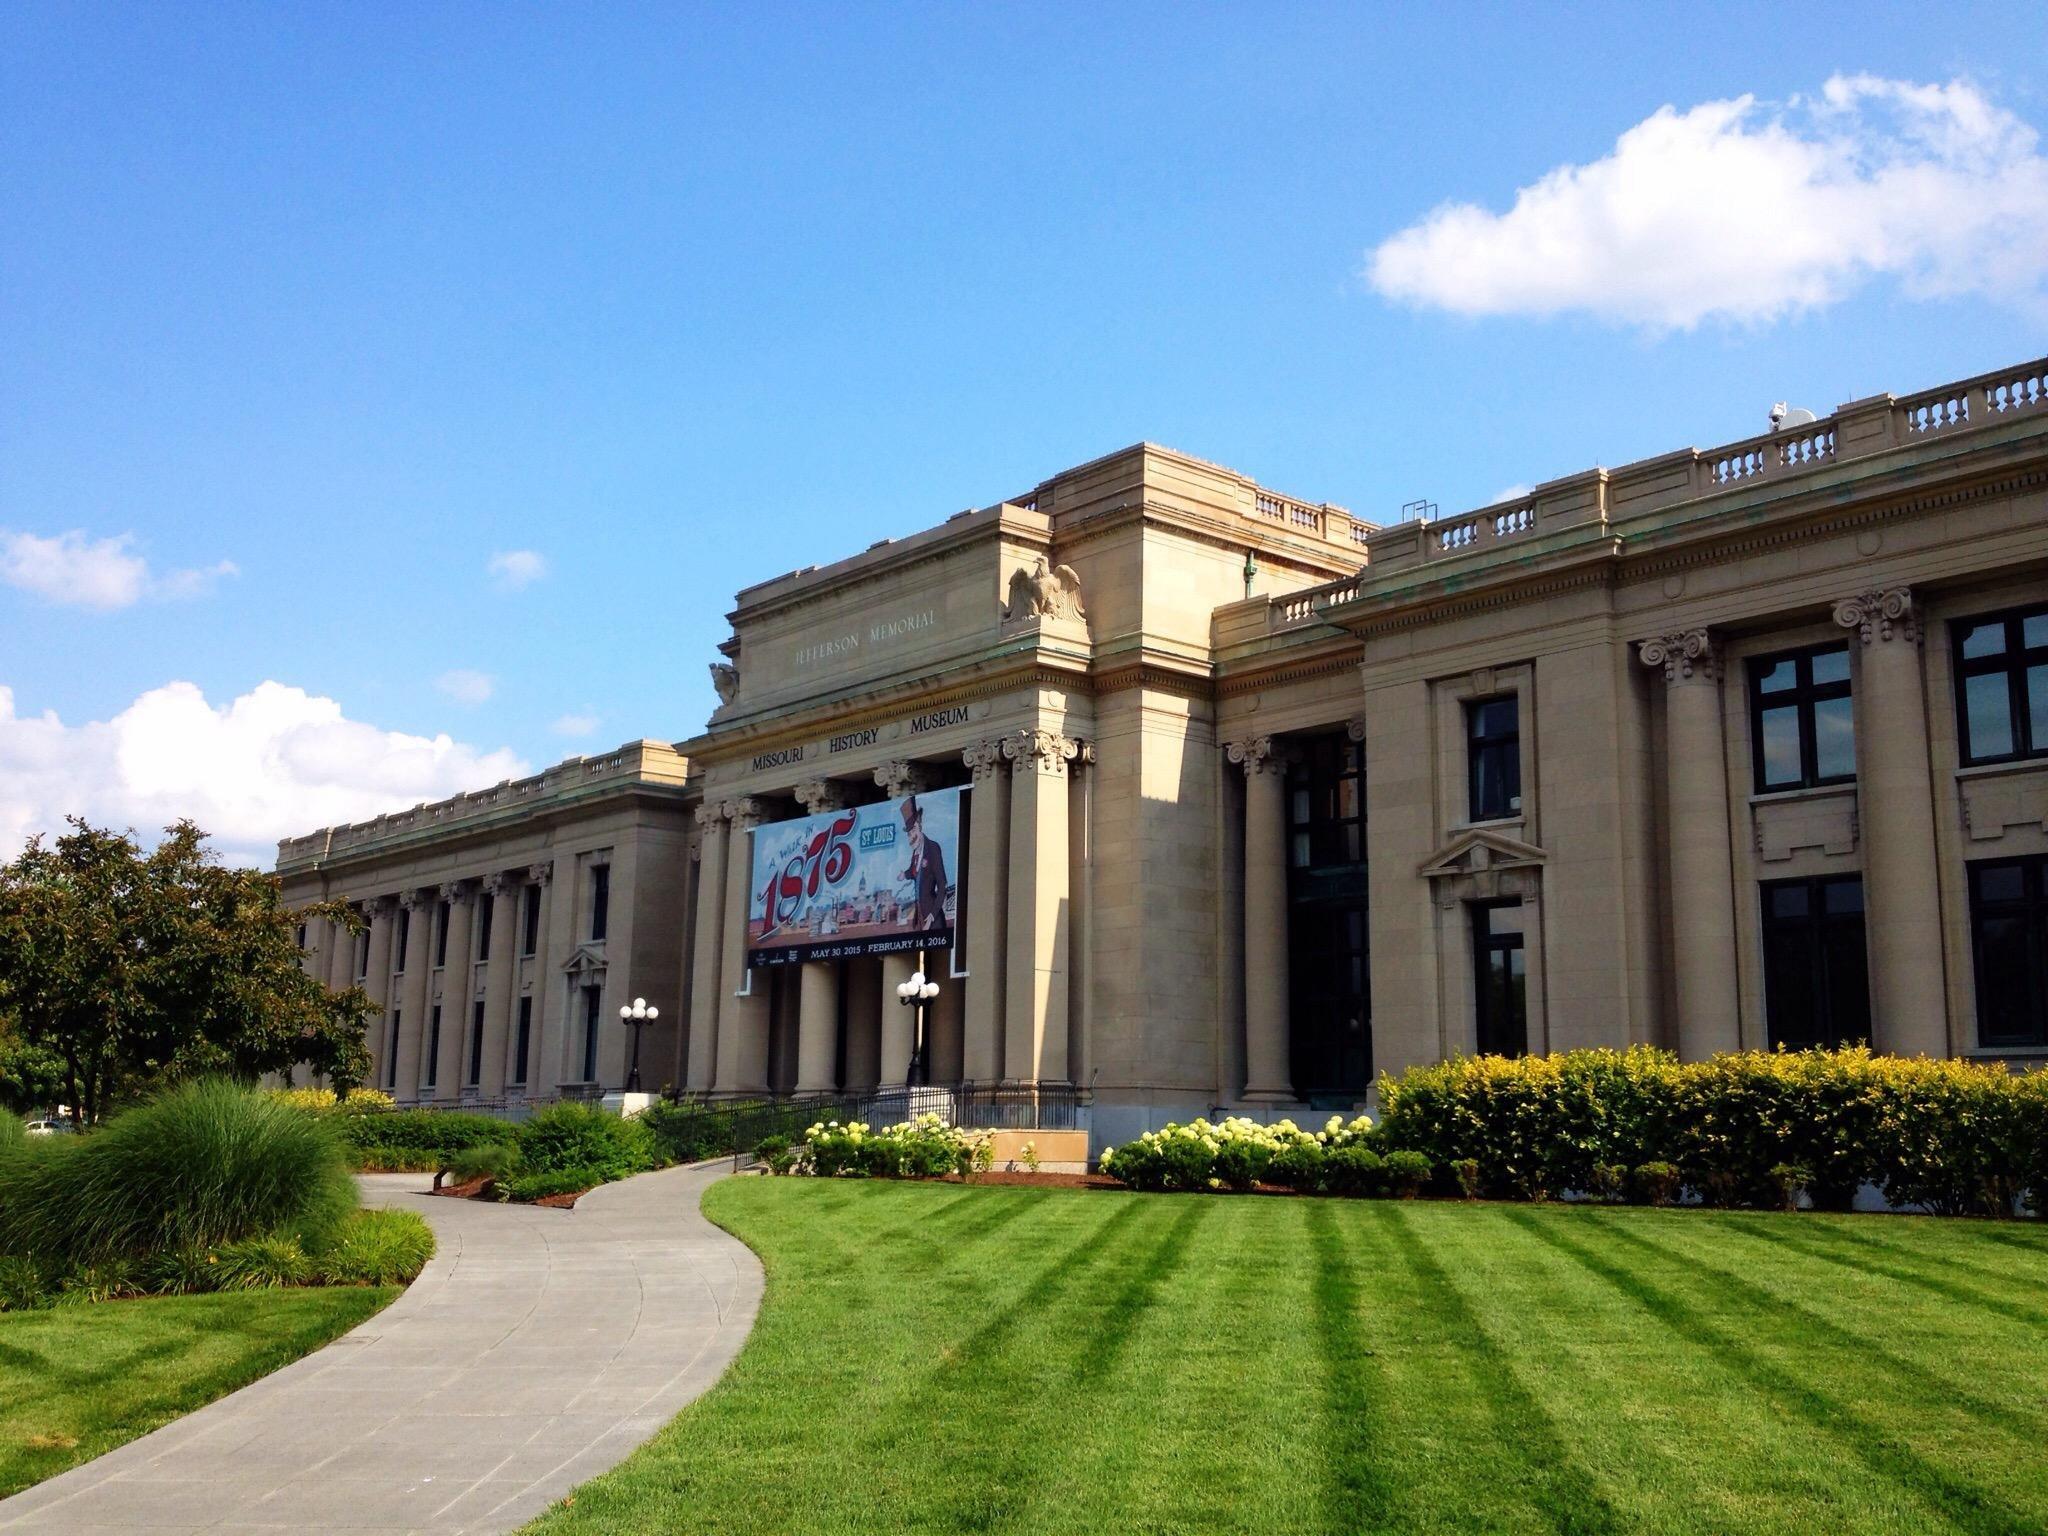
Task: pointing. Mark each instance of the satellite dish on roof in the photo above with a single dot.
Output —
(1783, 416)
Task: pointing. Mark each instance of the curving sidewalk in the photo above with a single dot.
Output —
(535, 1351)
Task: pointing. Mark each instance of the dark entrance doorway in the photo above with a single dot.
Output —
(1329, 960)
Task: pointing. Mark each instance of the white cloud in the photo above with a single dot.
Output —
(275, 762)
(1734, 210)
(574, 725)
(82, 572)
(513, 569)
(1513, 492)
(465, 686)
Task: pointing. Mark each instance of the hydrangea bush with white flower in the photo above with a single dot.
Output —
(1239, 1154)
(923, 1148)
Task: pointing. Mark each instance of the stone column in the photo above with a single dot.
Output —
(505, 892)
(987, 899)
(456, 988)
(383, 926)
(899, 1029)
(705, 996)
(1702, 875)
(1895, 802)
(817, 1013)
(742, 1020)
(341, 950)
(1035, 990)
(547, 994)
(418, 980)
(1268, 1036)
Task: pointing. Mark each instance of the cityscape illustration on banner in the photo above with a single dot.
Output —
(867, 880)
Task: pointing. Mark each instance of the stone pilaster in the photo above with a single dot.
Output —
(456, 989)
(1035, 994)
(987, 900)
(1268, 1036)
(707, 947)
(1702, 875)
(383, 923)
(417, 980)
(548, 957)
(742, 1017)
(1895, 799)
(817, 1027)
(505, 892)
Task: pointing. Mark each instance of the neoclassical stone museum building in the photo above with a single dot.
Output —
(1192, 795)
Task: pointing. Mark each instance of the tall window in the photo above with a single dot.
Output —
(1802, 723)
(523, 1042)
(362, 955)
(391, 1054)
(476, 1042)
(2008, 916)
(1493, 756)
(1500, 978)
(2002, 687)
(529, 941)
(593, 1016)
(404, 934)
(433, 1045)
(1329, 981)
(1816, 973)
(487, 906)
(600, 900)
(443, 915)
(302, 936)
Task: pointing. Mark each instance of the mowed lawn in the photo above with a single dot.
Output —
(79, 1380)
(932, 1358)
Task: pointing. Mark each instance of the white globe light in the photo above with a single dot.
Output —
(639, 1003)
(625, 1013)
(653, 1013)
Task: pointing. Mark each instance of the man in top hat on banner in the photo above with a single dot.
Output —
(927, 869)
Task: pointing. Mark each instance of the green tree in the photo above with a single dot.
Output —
(132, 968)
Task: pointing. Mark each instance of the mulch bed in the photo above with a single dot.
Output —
(1085, 1181)
(480, 1189)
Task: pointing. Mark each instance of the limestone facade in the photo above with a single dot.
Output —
(1265, 799)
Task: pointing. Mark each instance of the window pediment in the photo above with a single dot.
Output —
(1480, 850)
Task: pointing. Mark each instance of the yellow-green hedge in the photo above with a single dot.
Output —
(1953, 1137)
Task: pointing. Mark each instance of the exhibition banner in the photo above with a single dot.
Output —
(869, 880)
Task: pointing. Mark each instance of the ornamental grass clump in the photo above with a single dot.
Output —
(204, 1163)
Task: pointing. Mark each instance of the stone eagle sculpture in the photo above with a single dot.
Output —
(725, 677)
(1053, 593)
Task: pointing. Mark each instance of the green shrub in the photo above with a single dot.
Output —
(1357, 1171)
(485, 1160)
(414, 1140)
(923, 1148)
(182, 1271)
(552, 1181)
(583, 1136)
(263, 1263)
(376, 1248)
(1406, 1173)
(1791, 1181)
(205, 1162)
(107, 1279)
(1657, 1183)
(1609, 1183)
(777, 1154)
(1241, 1163)
(1470, 1180)
(1301, 1166)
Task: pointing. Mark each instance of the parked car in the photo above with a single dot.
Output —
(50, 1127)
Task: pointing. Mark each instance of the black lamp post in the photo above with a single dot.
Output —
(914, 994)
(636, 1016)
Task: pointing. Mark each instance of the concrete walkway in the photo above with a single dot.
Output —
(535, 1351)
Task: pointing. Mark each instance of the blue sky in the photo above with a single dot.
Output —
(354, 298)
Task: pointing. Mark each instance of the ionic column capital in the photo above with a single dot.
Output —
(499, 884)
(455, 891)
(710, 814)
(540, 874)
(1685, 655)
(381, 906)
(1883, 614)
(1045, 752)
(412, 900)
(1257, 755)
(985, 759)
(816, 795)
(744, 812)
(1354, 728)
(901, 777)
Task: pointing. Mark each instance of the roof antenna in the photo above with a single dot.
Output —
(1419, 511)
(1783, 416)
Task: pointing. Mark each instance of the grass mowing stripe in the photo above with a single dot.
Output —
(1356, 1492)
(1973, 1509)
(1861, 1236)
(1127, 1312)
(1930, 1389)
(1561, 1490)
(1805, 1238)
